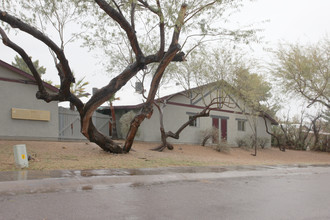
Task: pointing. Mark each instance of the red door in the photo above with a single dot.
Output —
(215, 124)
(223, 129)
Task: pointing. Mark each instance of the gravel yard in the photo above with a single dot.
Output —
(84, 155)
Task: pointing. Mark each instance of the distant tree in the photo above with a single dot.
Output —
(253, 90)
(304, 71)
(20, 64)
(79, 89)
(326, 118)
(316, 126)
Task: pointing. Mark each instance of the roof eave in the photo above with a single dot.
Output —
(26, 75)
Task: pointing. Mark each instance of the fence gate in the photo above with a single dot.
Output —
(69, 124)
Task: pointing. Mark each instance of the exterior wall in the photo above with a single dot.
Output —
(19, 95)
(177, 112)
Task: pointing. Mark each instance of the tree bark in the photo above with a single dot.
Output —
(316, 131)
(106, 143)
(273, 135)
(164, 144)
(113, 122)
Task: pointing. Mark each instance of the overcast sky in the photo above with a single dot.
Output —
(288, 21)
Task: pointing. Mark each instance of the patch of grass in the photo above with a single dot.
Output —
(165, 162)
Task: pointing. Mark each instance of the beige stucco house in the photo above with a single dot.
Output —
(23, 116)
(233, 120)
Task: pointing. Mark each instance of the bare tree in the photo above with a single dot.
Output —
(297, 132)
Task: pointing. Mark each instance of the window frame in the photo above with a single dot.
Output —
(241, 125)
(195, 123)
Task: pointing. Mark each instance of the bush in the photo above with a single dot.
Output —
(323, 145)
(240, 142)
(125, 123)
(222, 146)
(262, 142)
(213, 133)
(248, 142)
(210, 133)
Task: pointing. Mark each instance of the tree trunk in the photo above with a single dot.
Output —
(106, 143)
(164, 144)
(316, 131)
(255, 141)
(162, 131)
(273, 135)
(113, 122)
(287, 139)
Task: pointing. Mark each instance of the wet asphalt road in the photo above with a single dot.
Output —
(253, 193)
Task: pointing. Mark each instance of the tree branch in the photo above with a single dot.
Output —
(168, 57)
(17, 23)
(42, 93)
(105, 93)
(121, 20)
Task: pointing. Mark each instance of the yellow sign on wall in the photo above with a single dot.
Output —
(29, 114)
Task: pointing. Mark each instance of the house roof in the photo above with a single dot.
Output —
(106, 109)
(29, 78)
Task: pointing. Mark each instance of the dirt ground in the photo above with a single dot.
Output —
(84, 155)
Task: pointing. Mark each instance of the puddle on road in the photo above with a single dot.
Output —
(36, 174)
(87, 180)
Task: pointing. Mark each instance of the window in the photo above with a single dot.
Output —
(241, 125)
(193, 123)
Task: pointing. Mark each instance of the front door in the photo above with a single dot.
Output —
(224, 129)
(215, 124)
